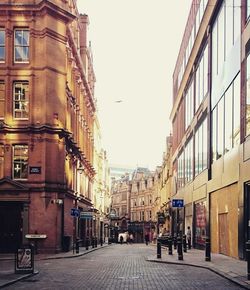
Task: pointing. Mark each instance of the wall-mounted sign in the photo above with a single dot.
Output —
(177, 203)
(35, 170)
(35, 236)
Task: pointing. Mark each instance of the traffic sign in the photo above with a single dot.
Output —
(75, 212)
(177, 203)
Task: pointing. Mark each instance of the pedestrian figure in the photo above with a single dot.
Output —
(146, 238)
(189, 237)
(121, 239)
(131, 238)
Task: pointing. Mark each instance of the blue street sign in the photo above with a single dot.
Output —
(177, 203)
(75, 212)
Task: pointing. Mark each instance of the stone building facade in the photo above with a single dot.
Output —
(47, 110)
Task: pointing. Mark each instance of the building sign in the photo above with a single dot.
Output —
(86, 215)
(24, 260)
(35, 236)
(177, 203)
(75, 212)
(35, 170)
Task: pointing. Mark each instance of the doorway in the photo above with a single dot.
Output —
(223, 234)
(10, 226)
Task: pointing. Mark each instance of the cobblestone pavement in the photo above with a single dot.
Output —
(120, 267)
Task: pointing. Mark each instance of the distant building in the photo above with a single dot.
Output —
(118, 171)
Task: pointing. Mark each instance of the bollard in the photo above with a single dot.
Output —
(170, 248)
(175, 242)
(184, 241)
(95, 242)
(248, 258)
(101, 242)
(158, 250)
(92, 242)
(179, 248)
(87, 243)
(207, 250)
(77, 246)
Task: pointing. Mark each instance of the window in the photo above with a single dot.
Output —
(226, 120)
(20, 162)
(189, 105)
(2, 99)
(248, 97)
(248, 8)
(201, 79)
(180, 175)
(21, 100)
(2, 45)
(21, 45)
(236, 111)
(189, 161)
(1, 161)
(201, 148)
(229, 119)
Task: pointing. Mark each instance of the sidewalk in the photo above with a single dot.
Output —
(7, 264)
(230, 268)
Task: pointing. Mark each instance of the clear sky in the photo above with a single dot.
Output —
(135, 45)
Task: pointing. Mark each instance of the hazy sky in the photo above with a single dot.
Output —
(135, 44)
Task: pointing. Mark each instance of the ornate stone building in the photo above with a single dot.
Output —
(46, 123)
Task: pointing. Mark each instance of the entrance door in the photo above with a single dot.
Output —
(10, 226)
(223, 234)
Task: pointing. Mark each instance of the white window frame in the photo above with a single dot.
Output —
(21, 46)
(23, 160)
(25, 101)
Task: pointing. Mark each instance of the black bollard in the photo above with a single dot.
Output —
(175, 242)
(95, 242)
(92, 242)
(77, 246)
(184, 241)
(87, 243)
(170, 248)
(158, 250)
(248, 258)
(101, 242)
(207, 250)
(179, 248)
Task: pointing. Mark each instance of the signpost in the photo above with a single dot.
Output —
(24, 260)
(178, 203)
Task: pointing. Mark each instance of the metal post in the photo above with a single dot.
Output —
(77, 246)
(208, 250)
(175, 242)
(184, 240)
(179, 248)
(93, 242)
(170, 249)
(101, 242)
(87, 243)
(158, 250)
(248, 258)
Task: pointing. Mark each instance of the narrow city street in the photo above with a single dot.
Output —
(120, 267)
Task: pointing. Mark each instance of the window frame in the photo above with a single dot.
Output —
(26, 100)
(3, 45)
(3, 99)
(24, 161)
(22, 46)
